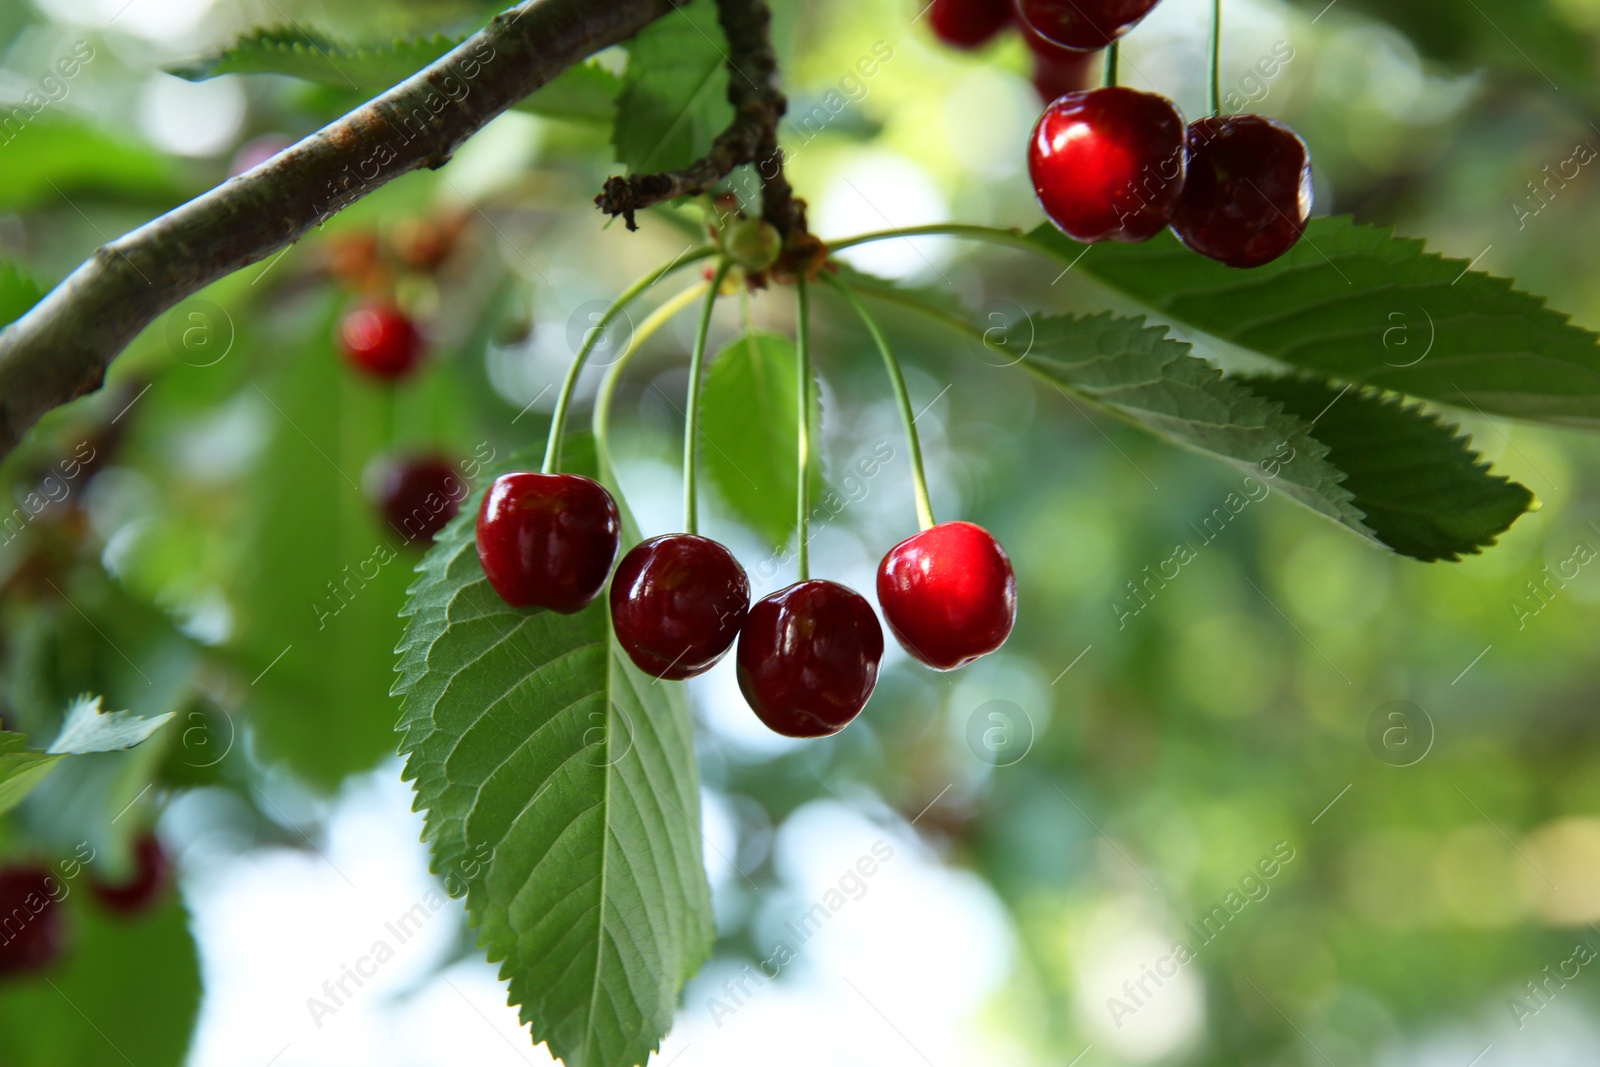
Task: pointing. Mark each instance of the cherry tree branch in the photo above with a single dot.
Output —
(752, 136)
(60, 349)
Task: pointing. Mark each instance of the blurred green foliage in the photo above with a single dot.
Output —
(1442, 858)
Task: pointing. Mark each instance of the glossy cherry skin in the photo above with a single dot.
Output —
(1083, 25)
(32, 936)
(418, 495)
(808, 658)
(1249, 190)
(380, 340)
(949, 594)
(969, 23)
(152, 873)
(548, 540)
(1108, 164)
(677, 603)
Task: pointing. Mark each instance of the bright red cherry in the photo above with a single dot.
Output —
(418, 495)
(152, 873)
(381, 340)
(677, 603)
(547, 540)
(1249, 191)
(808, 658)
(968, 23)
(949, 594)
(1108, 164)
(32, 935)
(1084, 25)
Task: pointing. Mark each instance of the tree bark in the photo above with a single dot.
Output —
(61, 348)
(758, 107)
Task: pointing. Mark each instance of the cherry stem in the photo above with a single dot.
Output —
(558, 422)
(1113, 54)
(608, 388)
(691, 422)
(802, 346)
(992, 234)
(897, 380)
(1214, 101)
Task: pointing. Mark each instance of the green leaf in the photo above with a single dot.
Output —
(1422, 488)
(327, 576)
(18, 293)
(21, 769)
(1138, 373)
(674, 99)
(88, 728)
(312, 56)
(585, 92)
(1358, 304)
(562, 797)
(749, 409)
(128, 991)
(1387, 471)
(55, 160)
(98, 637)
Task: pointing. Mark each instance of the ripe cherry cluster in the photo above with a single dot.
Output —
(417, 493)
(808, 655)
(35, 933)
(1117, 164)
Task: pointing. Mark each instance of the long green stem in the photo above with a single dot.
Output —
(558, 422)
(1113, 57)
(897, 381)
(803, 430)
(691, 422)
(992, 234)
(608, 388)
(1214, 101)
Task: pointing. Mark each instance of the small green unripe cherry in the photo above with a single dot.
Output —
(752, 244)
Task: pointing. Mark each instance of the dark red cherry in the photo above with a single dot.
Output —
(677, 603)
(949, 594)
(968, 23)
(1107, 164)
(1249, 190)
(1058, 71)
(31, 932)
(381, 340)
(808, 658)
(1084, 25)
(418, 495)
(547, 540)
(152, 873)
